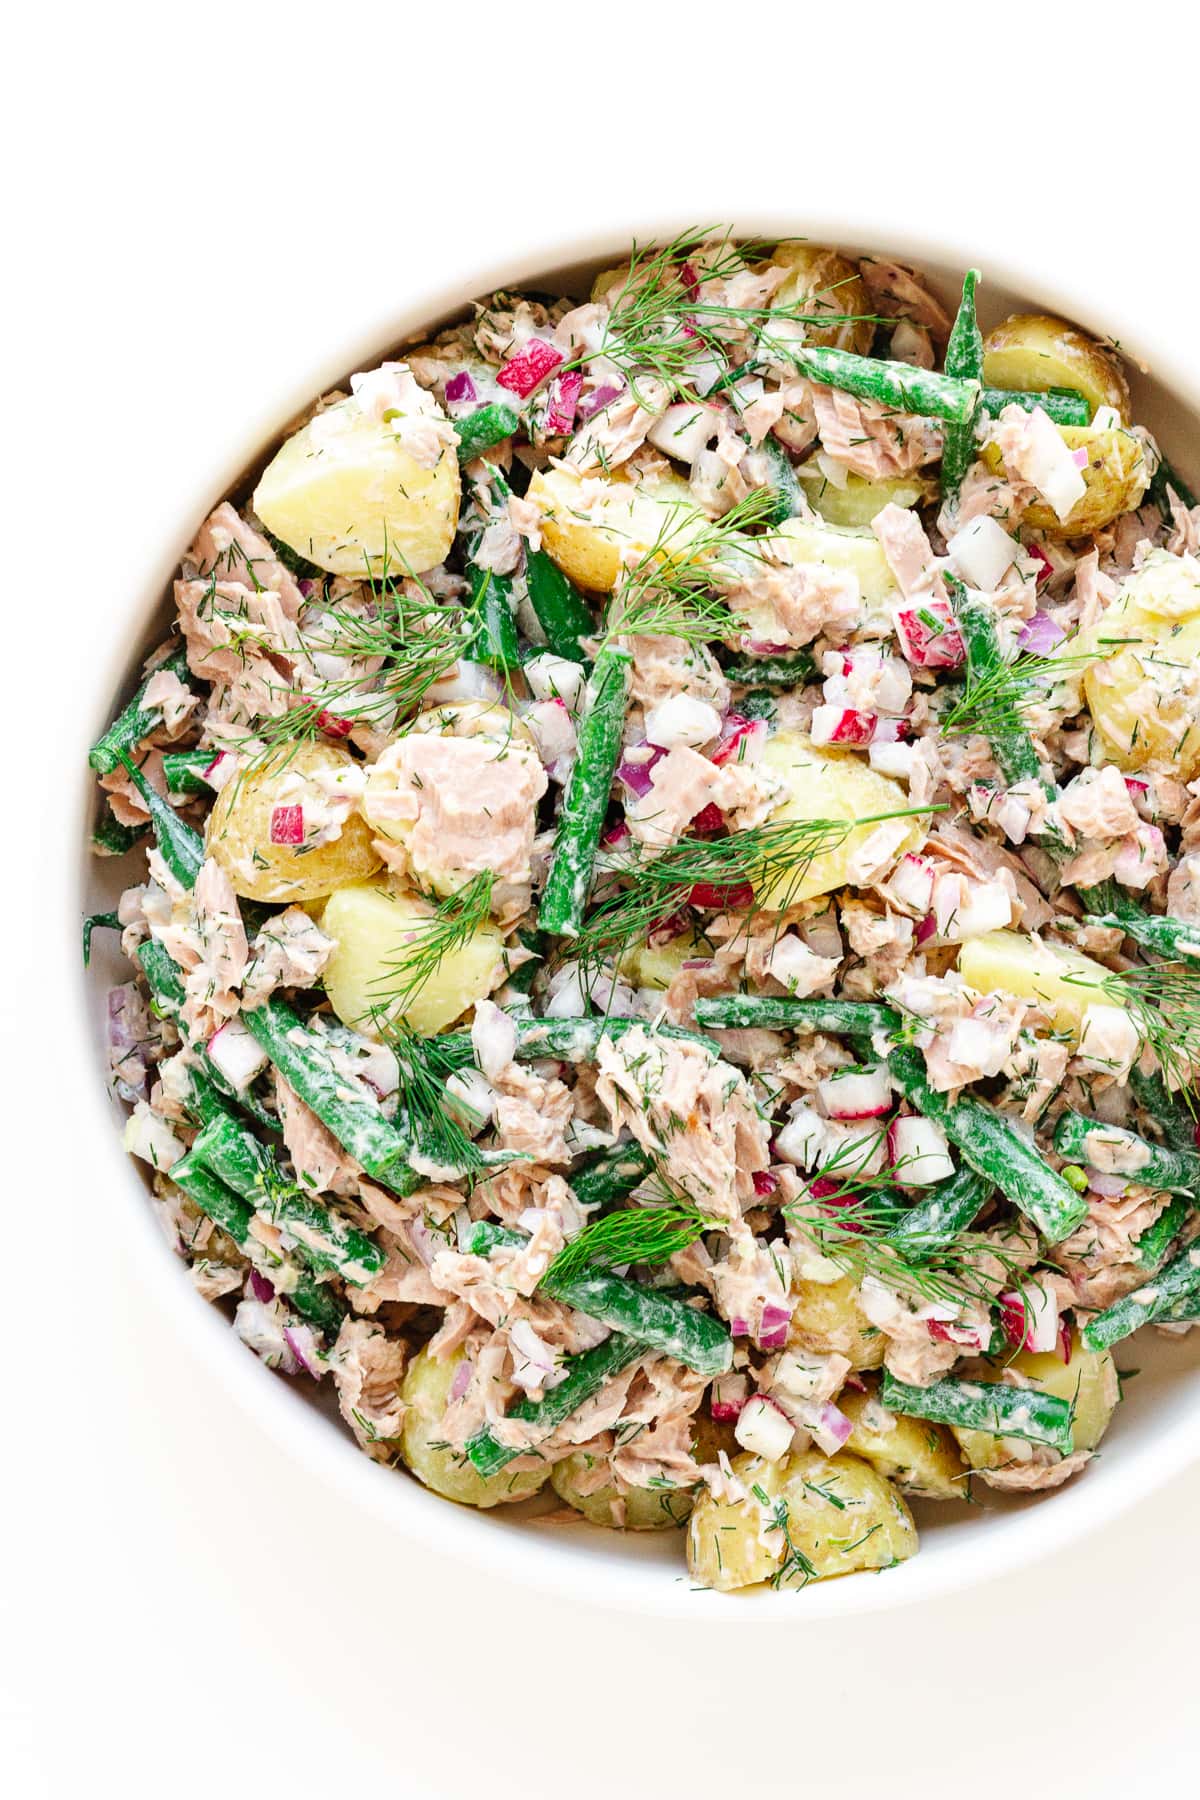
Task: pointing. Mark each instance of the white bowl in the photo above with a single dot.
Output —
(1156, 1432)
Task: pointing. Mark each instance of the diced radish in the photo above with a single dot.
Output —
(773, 1327)
(829, 1427)
(929, 636)
(764, 1181)
(287, 824)
(682, 720)
(562, 403)
(689, 280)
(982, 551)
(1063, 1346)
(893, 760)
(1045, 566)
(742, 740)
(616, 837)
(967, 1336)
(926, 929)
(918, 1151)
(727, 1396)
(552, 677)
(1030, 1319)
(841, 725)
(964, 908)
(460, 388)
(333, 726)
(220, 769)
(739, 1328)
(856, 1093)
(260, 1287)
(527, 370)
(633, 770)
(598, 399)
(890, 731)
(909, 887)
(710, 818)
(711, 898)
(764, 1428)
(684, 430)
(237, 1054)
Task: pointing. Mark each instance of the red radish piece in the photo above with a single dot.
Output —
(739, 1327)
(738, 737)
(333, 726)
(841, 725)
(689, 280)
(1064, 1342)
(616, 837)
(918, 1151)
(711, 898)
(929, 636)
(727, 1398)
(527, 370)
(673, 926)
(891, 731)
(287, 825)
(710, 818)
(562, 404)
(764, 1181)
(1046, 567)
(926, 929)
(857, 1094)
(237, 1054)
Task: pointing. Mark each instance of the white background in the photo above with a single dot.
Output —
(197, 199)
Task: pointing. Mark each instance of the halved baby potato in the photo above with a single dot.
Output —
(239, 831)
(1064, 983)
(828, 1319)
(1116, 476)
(919, 1456)
(423, 1447)
(1088, 1381)
(345, 493)
(856, 503)
(379, 933)
(644, 1508)
(657, 965)
(1144, 692)
(840, 1516)
(589, 524)
(833, 785)
(1034, 351)
(822, 281)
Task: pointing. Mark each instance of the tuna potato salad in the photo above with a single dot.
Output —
(664, 879)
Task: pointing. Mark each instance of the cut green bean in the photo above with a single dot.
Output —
(895, 384)
(945, 1211)
(1173, 939)
(313, 1300)
(105, 921)
(582, 818)
(562, 612)
(1176, 1123)
(586, 1375)
(567, 1040)
(1066, 406)
(481, 430)
(1011, 743)
(113, 839)
(357, 1124)
(237, 1158)
(181, 848)
(773, 671)
(1165, 477)
(164, 978)
(1151, 1248)
(782, 484)
(137, 720)
(494, 637)
(1112, 1147)
(779, 1012)
(964, 359)
(1172, 1288)
(991, 1406)
(991, 1145)
(183, 771)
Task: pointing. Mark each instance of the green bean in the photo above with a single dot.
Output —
(964, 359)
(480, 430)
(779, 1012)
(106, 921)
(991, 1406)
(494, 640)
(781, 483)
(1166, 1293)
(586, 1375)
(1154, 1165)
(137, 720)
(165, 981)
(183, 771)
(951, 1207)
(1064, 405)
(1011, 743)
(773, 671)
(567, 1040)
(612, 1176)
(1165, 477)
(237, 1158)
(582, 818)
(112, 839)
(561, 609)
(181, 848)
(990, 1144)
(1173, 1118)
(894, 384)
(1173, 939)
(1151, 1248)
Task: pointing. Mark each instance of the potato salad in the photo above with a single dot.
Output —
(661, 904)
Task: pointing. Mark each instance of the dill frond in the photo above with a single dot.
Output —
(448, 927)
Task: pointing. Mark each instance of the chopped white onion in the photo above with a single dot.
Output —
(919, 1151)
(238, 1055)
(764, 1428)
(684, 430)
(151, 1138)
(982, 551)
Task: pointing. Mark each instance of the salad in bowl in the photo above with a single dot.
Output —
(664, 875)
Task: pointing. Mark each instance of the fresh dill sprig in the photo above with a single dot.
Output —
(424, 1066)
(452, 923)
(669, 590)
(1163, 1001)
(635, 1234)
(779, 1518)
(989, 702)
(775, 857)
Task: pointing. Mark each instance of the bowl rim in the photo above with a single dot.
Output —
(567, 1565)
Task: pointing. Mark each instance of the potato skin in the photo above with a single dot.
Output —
(830, 784)
(842, 1516)
(238, 833)
(828, 1318)
(1089, 1380)
(646, 1509)
(1116, 477)
(425, 1392)
(588, 542)
(1140, 694)
(857, 503)
(921, 1458)
(372, 924)
(822, 280)
(1035, 351)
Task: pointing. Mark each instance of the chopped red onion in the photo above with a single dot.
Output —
(1040, 634)
(773, 1328)
(260, 1287)
(1046, 567)
(333, 725)
(598, 399)
(303, 1346)
(462, 1378)
(461, 387)
(926, 928)
(633, 771)
(673, 926)
(739, 1328)
(1111, 1187)
(711, 898)
(764, 1181)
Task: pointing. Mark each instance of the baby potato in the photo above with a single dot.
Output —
(828, 1318)
(345, 493)
(378, 934)
(831, 784)
(1064, 983)
(1144, 695)
(808, 1517)
(474, 718)
(426, 1393)
(856, 550)
(588, 525)
(1035, 352)
(819, 281)
(1116, 477)
(646, 1509)
(657, 965)
(859, 500)
(919, 1456)
(238, 833)
(1089, 1381)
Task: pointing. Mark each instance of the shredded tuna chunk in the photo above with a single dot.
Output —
(367, 1367)
(871, 439)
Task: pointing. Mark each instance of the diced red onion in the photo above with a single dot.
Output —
(462, 1378)
(689, 280)
(712, 898)
(307, 589)
(633, 771)
(260, 1287)
(830, 1428)
(739, 1328)
(460, 387)
(927, 928)
(773, 1328)
(673, 926)
(598, 399)
(1110, 1186)
(1040, 634)
(287, 824)
(300, 1341)
(527, 370)
(1046, 567)
(617, 836)
(710, 818)
(764, 647)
